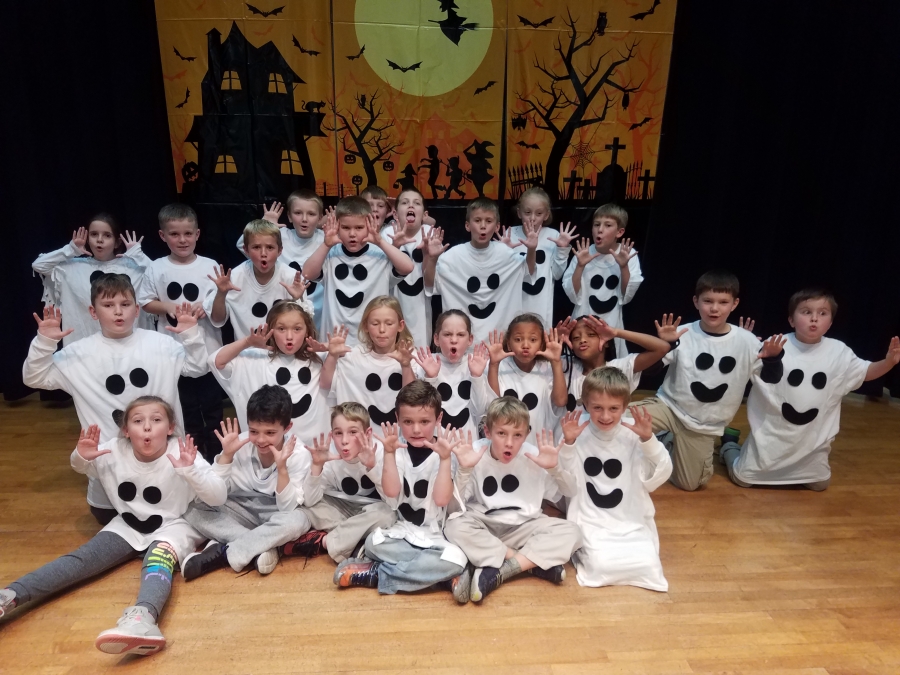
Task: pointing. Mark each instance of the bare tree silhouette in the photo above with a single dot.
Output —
(369, 139)
(566, 103)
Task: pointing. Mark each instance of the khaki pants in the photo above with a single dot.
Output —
(692, 452)
(347, 523)
(732, 451)
(545, 541)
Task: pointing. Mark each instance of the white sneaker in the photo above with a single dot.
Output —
(7, 601)
(135, 633)
(266, 562)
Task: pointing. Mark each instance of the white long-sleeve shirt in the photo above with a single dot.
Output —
(350, 481)
(463, 404)
(550, 264)
(410, 291)
(370, 379)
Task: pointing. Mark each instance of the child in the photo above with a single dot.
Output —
(417, 481)
(795, 417)
(482, 277)
(277, 352)
(533, 207)
(69, 272)
(365, 265)
(705, 383)
(340, 498)
(453, 369)
(381, 206)
(378, 366)
(616, 466)
(305, 211)
(168, 282)
(257, 284)
(503, 532)
(265, 488)
(526, 364)
(605, 275)
(105, 371)
(152, 476)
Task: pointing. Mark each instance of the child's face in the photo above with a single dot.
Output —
(289, 332)
(102, 241)
(349, 437)
(383, 325)
(811, 320)
(605, 232)
(410, 208)
(417, 423)
(148, 428)
(380, 210)
(525, 340)
(181, 237)
(586, 344)
(352, 231)
(454, 339)
(304, 216)
(116, 314)
(482, 225)
(714, 308)
(263, 251)
(533, 210)
(267, 435)
(506, 440)
(604, 409)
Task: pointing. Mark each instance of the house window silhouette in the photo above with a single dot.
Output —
(225, 164)
(276, 84)
(290, 163)
(230, 80)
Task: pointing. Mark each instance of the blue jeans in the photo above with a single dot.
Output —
(405, 567)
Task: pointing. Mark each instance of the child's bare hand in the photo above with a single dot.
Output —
(259, 337)
(79, 241)
(564, 329)
(433, 243)
(130, 239)
(603, 330)
(366, 454)
(772, 347)
(572, 426)
(404, 234)
(316, 346)
(337, 342)
(88, 442)
(390, 438)
(51, 325)
(548, 453)
(496, 350)
(532, 235)
(746, 324)
(668, 329)
(283, 455)
(445, 440)
(583, 252)
(643, 423)
(321, 450)
(296, 288)
(465, 452)
(566, 235)
(478, 360)
(222, 280)
(624, 253)
(427, 361)
(553, 349)
(230, 438)
(372, 234)
(187, 453)
(402, 353)
(273, 213)
(504, 236)
(331, 229)
(186, 316)
(893, 352)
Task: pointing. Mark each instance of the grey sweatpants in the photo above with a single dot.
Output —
(730, 453)
(249, 525)
(347, 523)
(545, 541)
(103, 552)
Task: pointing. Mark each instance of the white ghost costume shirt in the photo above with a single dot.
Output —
(795, 412)
(550, 265)
(462, 406)
(615, 473)
(410, 290)
(350, 481)
(370, 379)
(575, 377)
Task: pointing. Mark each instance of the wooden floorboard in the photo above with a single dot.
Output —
(762, 582)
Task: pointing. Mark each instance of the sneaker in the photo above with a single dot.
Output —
(210, 558)
(309, 545)
(267, 562)
(555, 574)
(7, 601)
(731, 435)
(484, 581)
(355, 572)
(135, 633)
(461, 586)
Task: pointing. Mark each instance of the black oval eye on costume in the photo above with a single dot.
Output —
(282, 376)
(173, 290)
(493, 282)
(795, 377)
(612, 281)
(612, 467)
(727, 364)
(704, 361)
(473, 284)
(341, 271)
(139, 377)
(593, 466)
(597, 281)
(819, 380)
(373, 382)
(360, 272)
(259, 310)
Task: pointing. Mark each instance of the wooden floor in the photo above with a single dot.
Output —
(761, 581)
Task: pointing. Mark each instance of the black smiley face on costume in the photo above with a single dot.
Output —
(795, 379)
(373, 383)
(594, 466)
(152, 495)
(312, 284)
(115, 384)
(360, 273)
(464, 390)
(509, 483)
(473, 285)
(175, 291)
(597, 282)
(304, 375)
(530, 400)
(418, 286)
(705, 361)
(537, 286)
(351, 487)
(409, 513)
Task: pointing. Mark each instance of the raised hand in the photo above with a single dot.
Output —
(465, 452)
(366, 452)
(372, 233)
(79, 241)
(444, 442)
(668, 329)
(187, 453)
(893, 352)
(282, 456)
(553, 349)
(772, 347)
(566, 235)
(427, 362)
(316, 346)
(404, 234)
(296, 288)
(583, 252)
(505, 237)
(548, 453)
(564, 329)
(273, 214)
(747, 324)
(402, 353)
(624, 253)
(321, 450)
(337, 342)
(330, 229)
(532, 235)
(478, 360)
(186, 317)
(572, 426)
(390, 437)
(51, 325)
(88, 442)
(433, 243)
(259, 337)
(130, 239)
(643, 422)
(230, 438)
(496, 352)
(222, 280)
(603, 330)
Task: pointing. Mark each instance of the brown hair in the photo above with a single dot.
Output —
(261, 228)
(443, 316)
(482, 204)
(147, 400)
(419, 394)
(305, 195)
(606, 380)
(528, 317)
(812, 294)
(377, 303)
(718, 281)
(282, 307)
(411, 189)
(109, 285)
(352, 206)
(352, 411)
(176, 212)
(107, 218)
(538, 193)
(507, 409)
(614, 211)
(376, 192)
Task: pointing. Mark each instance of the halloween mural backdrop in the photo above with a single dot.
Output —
(457, 98)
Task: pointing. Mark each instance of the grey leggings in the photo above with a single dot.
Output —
(105, 551)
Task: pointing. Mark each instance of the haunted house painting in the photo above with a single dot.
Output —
(251, 143)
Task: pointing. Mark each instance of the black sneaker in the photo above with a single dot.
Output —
(210, 558)
(355, 572)
(731, 435)
(309, 545)
(484, 581)
(556, 574)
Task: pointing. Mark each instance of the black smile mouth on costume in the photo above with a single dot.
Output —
(798, 418)
(350, 301)
(412, 289)
(706, 395)
(479, 313)
(390, 417)
(411, 515)
(152, 524)
(535, 288)
(457, 421)
(603, 306)
(608, 501)
(299, 408)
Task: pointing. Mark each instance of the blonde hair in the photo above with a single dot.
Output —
(352, 412)
(377, 303)
(352, 206)
(507, 409)
(146, 400)
(307, 196)
(261, 228)
(614, 211)
(606, 380)
(537, 193)
(282, 307)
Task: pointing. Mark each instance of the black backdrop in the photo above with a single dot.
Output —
(777, 159)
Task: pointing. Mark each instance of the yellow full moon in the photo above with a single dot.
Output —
(407, 32)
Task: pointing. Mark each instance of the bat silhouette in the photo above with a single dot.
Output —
(602, 21)
(532, 24)
(187, 95)
(303, 51)
(639, 124)
(640, 16)
(454, 26)
(183, 58)
(394, 66)
(519, 122)
(257, 10)
(361, 50)
(490, 84)
(533, 146)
